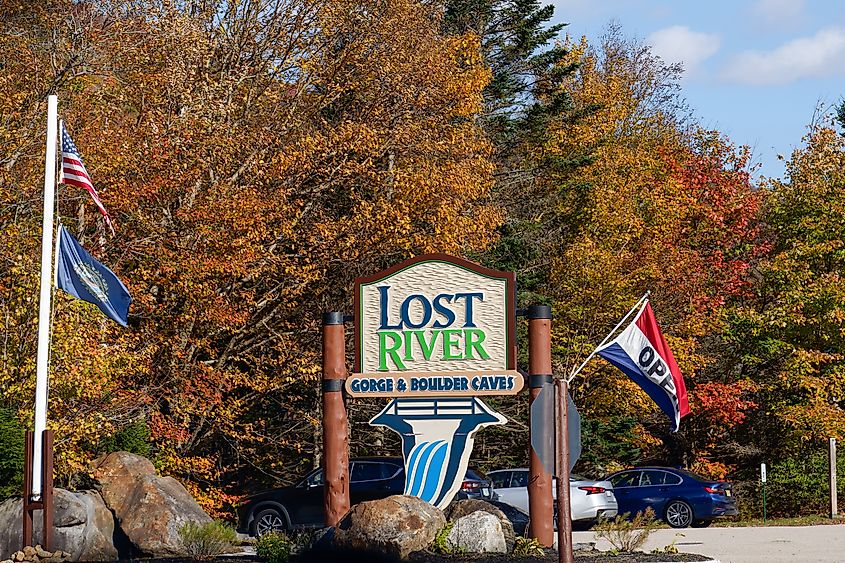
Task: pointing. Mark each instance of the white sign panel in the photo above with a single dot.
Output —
(435, 325)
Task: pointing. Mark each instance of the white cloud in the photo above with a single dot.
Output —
(805, 57)
(779, 11)
(679, 44)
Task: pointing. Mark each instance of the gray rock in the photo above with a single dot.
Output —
(479, 532)
(397, 525)
(461, 508)
(84, 527)
(149, 509)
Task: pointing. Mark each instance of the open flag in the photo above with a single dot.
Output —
(642, 353)
(85, 278)
(73, 173)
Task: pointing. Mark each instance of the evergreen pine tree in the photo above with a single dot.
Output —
(524, 97)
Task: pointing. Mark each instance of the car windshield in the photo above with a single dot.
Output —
(475, 475)
(313, 480)
(694, 475)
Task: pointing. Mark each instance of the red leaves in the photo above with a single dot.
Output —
(721, 404)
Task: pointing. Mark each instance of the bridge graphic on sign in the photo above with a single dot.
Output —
(437, 439)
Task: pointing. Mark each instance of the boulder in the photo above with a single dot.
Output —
(396, 525)
(84, 527)
(479, 532)
(150, 510)
(461, 508)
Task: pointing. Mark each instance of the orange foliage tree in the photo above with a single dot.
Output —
(669, 208)
(255, 157)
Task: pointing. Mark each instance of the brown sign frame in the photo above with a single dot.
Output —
(510, 302)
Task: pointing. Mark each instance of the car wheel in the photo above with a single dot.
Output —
(269, 520)
(678, 514)
(701, 523)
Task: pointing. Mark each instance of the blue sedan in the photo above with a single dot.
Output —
(679, 497)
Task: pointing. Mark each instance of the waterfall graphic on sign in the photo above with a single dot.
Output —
(437, 438)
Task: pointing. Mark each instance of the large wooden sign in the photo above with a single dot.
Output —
(435, 325)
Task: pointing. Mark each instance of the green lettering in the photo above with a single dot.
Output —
(407, 336)
(383, 350)
(449, 343)
(472, 343)
(427, 346)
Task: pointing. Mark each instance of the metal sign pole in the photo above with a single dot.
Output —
(763, 480)
(834, 509)
(564, 515)
(43, 357)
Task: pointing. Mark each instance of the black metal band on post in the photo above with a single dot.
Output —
(333, 318)
(332, 385)
(539, 312)
(536, 381)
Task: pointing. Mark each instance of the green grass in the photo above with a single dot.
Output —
(812, 520)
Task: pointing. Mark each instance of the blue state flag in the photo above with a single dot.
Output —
(83, 277)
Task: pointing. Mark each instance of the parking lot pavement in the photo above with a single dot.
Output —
(775, 544)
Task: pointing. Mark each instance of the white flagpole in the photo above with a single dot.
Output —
(606, 338)
(43, 361)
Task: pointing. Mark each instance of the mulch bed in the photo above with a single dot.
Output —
(323, 556)
(552, 557)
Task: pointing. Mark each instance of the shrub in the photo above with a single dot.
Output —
(626, 535)
(134, 439)
(11, 454)
(207, 541)
(528, 547)
(274, 547)
(797, 486)
(440, 545)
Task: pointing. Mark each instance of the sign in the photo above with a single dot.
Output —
(544, 430)
(574, 429)
(763, 472)
(543, 426)
(435, 384)
(435, 326)
(434, 333)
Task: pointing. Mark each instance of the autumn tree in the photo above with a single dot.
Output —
(788, 337)
(669, 208)
(255, 157)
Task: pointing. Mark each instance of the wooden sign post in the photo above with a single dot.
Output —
(335, 421)
(540, 505)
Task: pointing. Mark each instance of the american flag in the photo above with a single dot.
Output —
(74, 173)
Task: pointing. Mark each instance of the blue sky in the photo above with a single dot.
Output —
(755, 70)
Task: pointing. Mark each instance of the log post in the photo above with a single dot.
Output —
(540, 506)
(335, 422)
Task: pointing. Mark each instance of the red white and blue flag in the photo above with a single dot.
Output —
(642, 353)
(74, 174)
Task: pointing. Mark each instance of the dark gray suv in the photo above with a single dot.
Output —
(301, 505)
